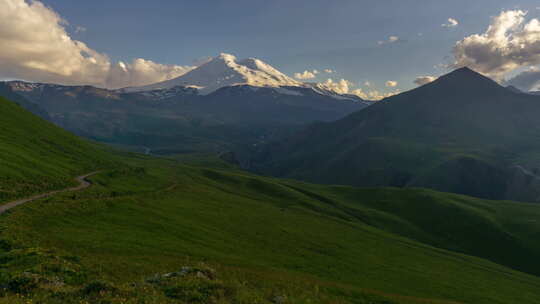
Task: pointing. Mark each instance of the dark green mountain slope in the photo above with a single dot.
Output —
(37, 156)
(463, 133)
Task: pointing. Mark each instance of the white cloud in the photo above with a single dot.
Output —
(451, 23)
(306, 75)
(344, 86)
(341, 87)
(367, 84)
(391, 84)
(422, 80)
(508, 44)
(329, 71)
(37, 47)
(373, 94)
(141, 72)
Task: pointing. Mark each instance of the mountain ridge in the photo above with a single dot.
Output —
(179, 119)
(463, 133)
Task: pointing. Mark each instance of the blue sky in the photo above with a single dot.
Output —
(291, 35)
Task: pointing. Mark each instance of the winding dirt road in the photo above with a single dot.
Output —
(83, 184)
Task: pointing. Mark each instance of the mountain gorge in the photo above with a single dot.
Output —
(462, 133)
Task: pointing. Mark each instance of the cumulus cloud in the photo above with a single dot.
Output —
(141, 72)
(508, 44)
(422, 80)
(306, 75)
(451, 23)
(373, 94)
(391, 83)
(341, 87)
(38, 48)
(344, 86)
(329, 71)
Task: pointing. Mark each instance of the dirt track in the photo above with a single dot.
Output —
(83, 184)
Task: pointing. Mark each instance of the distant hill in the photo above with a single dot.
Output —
(7, 91)
(462, 133)
(179, 119)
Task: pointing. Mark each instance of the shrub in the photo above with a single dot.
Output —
(22, 284)
(97, 287)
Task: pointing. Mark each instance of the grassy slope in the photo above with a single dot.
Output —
(265, 235)
(503, 232)
(37, 156)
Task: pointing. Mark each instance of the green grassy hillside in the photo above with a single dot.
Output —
(269, 238)
(196, 230)
(37, 156)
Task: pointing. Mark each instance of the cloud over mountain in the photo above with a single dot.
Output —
(508, 44)
(344, 86)
(341, 87)
(38, 48)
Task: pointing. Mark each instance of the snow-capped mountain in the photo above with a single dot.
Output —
(226, 70)
(223, 71)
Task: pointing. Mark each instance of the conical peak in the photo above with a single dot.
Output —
(465, 77)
